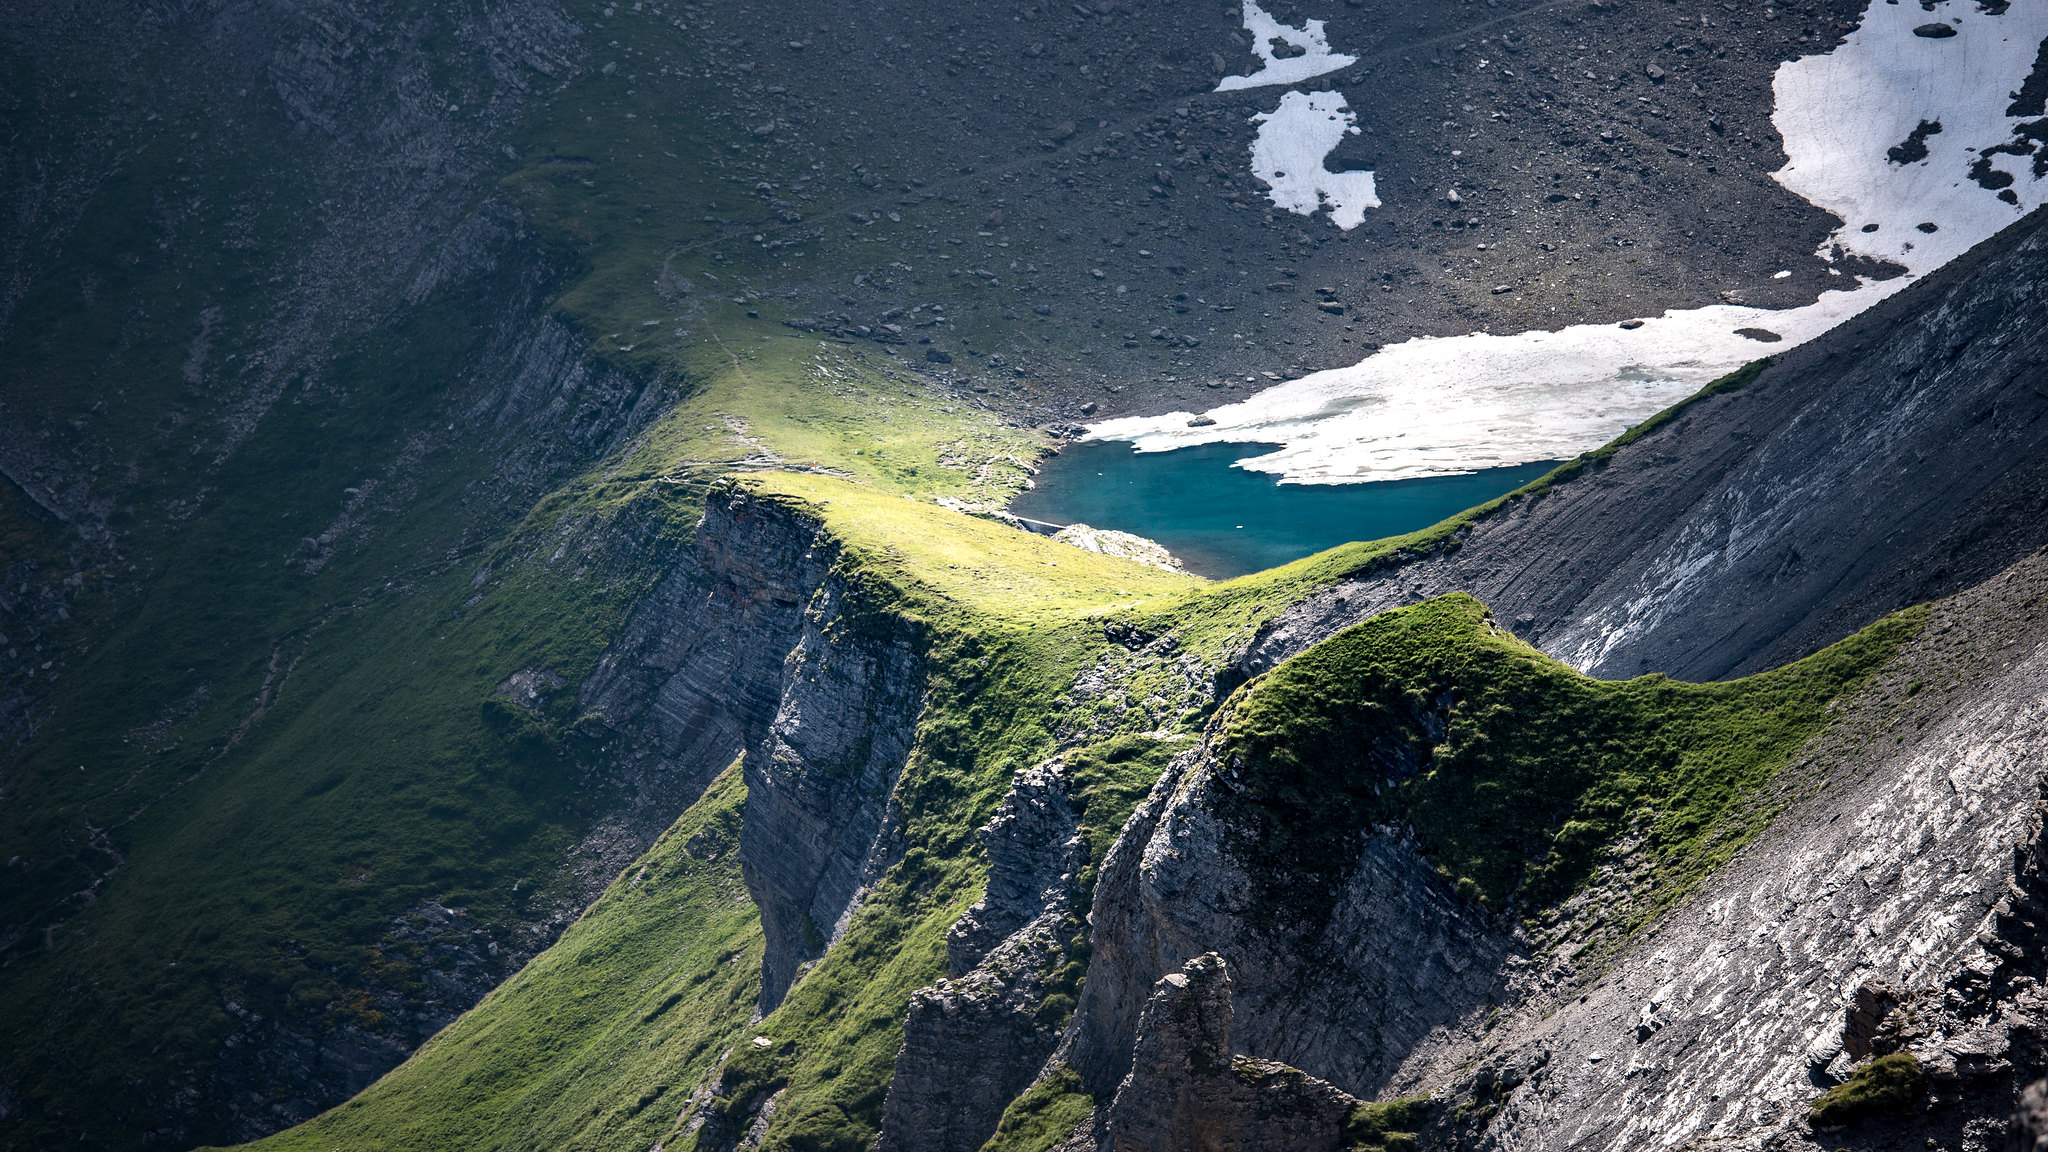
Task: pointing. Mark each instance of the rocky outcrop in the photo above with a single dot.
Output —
(973, 1041)
(1188, 1092)
(754, 645)
(1398, 957)
(1765, 523)
(1110, 542)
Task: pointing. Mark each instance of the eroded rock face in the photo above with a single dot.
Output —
(975, 1040)
(1399, 955)
(820, 824)
(1187, 1092)
(752, 645)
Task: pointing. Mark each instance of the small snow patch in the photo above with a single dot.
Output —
(1288, 156)
(1287, 55)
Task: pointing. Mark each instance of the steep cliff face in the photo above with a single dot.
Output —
(1397, 957)
(821, 819)
(754, 645)
(1900, 458)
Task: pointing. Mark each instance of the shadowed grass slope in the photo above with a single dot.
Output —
(600, 1039)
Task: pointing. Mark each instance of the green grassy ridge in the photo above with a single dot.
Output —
(600, 1040)
(372, 781)
(1004, 636)
(1517, 773)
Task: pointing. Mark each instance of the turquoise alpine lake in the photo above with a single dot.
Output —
(1223, 521)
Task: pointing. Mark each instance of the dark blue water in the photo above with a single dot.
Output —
(1223, 521)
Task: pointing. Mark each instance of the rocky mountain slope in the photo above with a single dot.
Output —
(1462, 894)
(1895, 460)
(375, 600)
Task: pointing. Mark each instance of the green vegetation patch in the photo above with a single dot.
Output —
(1047, 1113)
(1106, 782)
(598, 1042)
(1390, 1126)
(1516, 772)
(1888, 1085)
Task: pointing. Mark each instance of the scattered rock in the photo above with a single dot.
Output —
(937, 357)
(1107, 542)
(1500, 288)
(1202, 422)
(1655, 73)
(1928, 226)
(1631, 325)
(1935, 31)
(1761, 335)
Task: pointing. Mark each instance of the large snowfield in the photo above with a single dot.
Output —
(1445, 406)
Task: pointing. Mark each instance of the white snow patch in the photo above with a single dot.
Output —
(1434, 407)
(1315, 59)
(1841, 114)
(1288, 155)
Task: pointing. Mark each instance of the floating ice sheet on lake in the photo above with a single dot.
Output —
(1433, 407)
(1313, 56)
(1441, 407)
(1288, 155)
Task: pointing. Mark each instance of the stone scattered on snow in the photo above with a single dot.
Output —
(1435, 407)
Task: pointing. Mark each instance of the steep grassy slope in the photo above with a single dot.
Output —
(600, 1038)
(1557, 768)
(272, 784)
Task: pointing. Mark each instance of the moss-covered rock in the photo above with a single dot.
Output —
(1888, 1085)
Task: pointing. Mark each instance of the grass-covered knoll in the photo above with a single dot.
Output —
(599, 1042)
(1887, 1085)
(1390, 1126)
(1516, 772)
